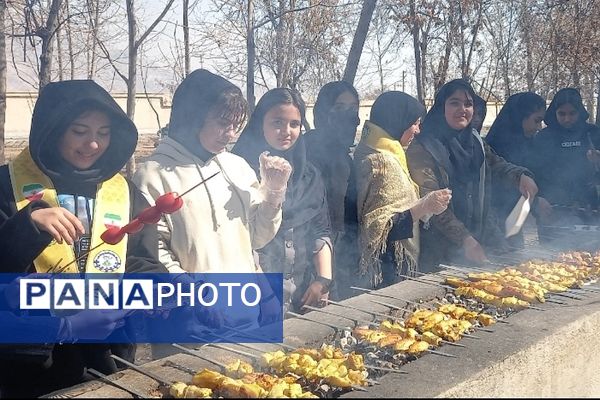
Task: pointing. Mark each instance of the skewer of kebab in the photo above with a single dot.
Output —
(336, 369)
(374, 335)
(208, 383)
(454, 312)
(554, 274)
(168, 203)
(486, 319)
(514, 274)
(483, 296)
(327, 351)
(386, 325)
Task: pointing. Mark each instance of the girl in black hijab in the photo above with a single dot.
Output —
(302, 248)
(511, 137)
(568, 159)
(328, 149)
(450, 154)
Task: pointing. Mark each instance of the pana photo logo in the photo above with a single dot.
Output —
(131, 294)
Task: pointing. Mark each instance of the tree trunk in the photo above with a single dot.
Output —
(2, 79)
(415, 30)
(47, 36)
(131, 74)
(251, 51)
(70, 41)
(598, 103)
(526, 26)
(186, 35)
(59, 56)
(94, 12)
(358, 42)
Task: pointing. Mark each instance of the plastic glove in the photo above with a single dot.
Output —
(433, 203)
(274, 175)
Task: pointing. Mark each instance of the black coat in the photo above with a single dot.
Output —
(564, 174)
(32, 370)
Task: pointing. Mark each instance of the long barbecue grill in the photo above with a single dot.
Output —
(548, 349)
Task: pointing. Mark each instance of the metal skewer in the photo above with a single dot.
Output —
(356, 320)
(143, 371)
(375, 293)
(121, 386)
(251, 336)
(299, 316)
(386, 316)
(198, 355)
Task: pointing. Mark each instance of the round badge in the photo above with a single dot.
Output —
(107, 261)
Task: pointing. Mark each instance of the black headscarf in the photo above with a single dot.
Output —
(194, 98)
(506, 135)
(336, 129)
(479, 112)
(395, 112)
(59, 104)
(305, 195)
(464, 150)
(562, 97)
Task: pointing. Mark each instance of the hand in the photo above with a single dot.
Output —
(474, 251)
(594, 157)
(544, 209)
(274, 171)
(314, 294)
(59, 223)
(96, 324)
(270, 311)
(528, 187)
(435, 202)
(210, 317)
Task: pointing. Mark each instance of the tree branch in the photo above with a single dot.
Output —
(153, 25)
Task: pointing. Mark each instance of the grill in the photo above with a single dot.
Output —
(525, 353)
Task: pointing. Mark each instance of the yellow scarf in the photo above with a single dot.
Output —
(111, 207)
(378, 139)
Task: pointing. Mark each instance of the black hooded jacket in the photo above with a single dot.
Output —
(507, 139)
(564, 174)
(34, 370)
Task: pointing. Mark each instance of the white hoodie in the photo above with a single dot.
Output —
(220, 223)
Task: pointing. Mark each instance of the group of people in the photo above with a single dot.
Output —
(420, 188)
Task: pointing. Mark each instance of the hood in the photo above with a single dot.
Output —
(57, 107)
(566, 96)
(192, 101)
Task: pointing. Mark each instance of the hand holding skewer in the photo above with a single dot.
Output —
(168, 203)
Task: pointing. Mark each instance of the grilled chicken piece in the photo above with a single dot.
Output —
(238, 369)
(180, 390)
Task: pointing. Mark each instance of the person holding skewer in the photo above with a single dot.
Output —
(57, 198)
(222, 222)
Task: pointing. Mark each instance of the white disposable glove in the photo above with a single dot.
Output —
(433, 203)
(274, 174)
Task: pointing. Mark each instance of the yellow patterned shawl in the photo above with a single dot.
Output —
(385, 188)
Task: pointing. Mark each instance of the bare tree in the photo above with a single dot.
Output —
(362, 29)
(2, 77)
